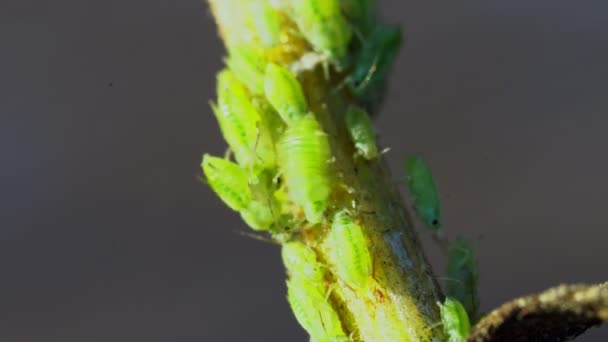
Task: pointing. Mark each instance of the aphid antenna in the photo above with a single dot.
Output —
(255, 236)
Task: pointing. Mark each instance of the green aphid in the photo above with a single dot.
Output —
(360, 128)
(284, 93)
(455, 320)
(424, 192)
(242, 125)
(228, 181)
(377, 55)
(324, 26)
(266, 22)
(304, 155)
(301, 263)
(463, 276)
(361, 13)
(314, 313)
(349, 252)
(248, 64)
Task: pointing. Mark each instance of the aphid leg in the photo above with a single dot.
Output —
(255, 146)
(255, 237)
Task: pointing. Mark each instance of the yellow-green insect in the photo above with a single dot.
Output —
(248, 63)
(349, 252)
(455, 320)
(323, 25)
(284, 93)
(360, 128)
(266, 22)
(424, 192)
(304, 160)
(463, 276)
(228, 181)
(241, 124)
(314, 313)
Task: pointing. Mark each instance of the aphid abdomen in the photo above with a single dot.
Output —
(349, 252)
(304, 154)
(228, 181)
(301, 263)
(284, 92)
(361, 131)
(302, 299)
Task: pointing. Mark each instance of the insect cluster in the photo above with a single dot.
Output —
(278, 172)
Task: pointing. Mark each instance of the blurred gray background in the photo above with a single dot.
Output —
(107, 235)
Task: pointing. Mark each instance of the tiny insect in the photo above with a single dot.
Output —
(455, 320)
(314, 313)
(323, 25)
(423, 189)
(241, 124)
(248, 64)
(265, 21)
(360, 128)
(377, 54)
(463, 276)
(301, 263)
(284, 93)
(228, 181)
(349, 252)
(304, 160)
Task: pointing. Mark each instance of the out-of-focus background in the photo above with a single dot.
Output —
(106, 233)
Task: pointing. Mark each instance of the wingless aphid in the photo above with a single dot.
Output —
(350, 252)
(248, 64)
(324, 26)
(301, 263)
(242, 125)
(284, 93)
(228, 181)
(463, 276)
(361, 131)
(423, 190)
(304, 161)
(455, 320)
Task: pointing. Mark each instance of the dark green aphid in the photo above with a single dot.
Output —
(455, 320)
(377, 54)
(360, 128)
(463, 276)
(423, 189)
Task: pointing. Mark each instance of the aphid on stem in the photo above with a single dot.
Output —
(423, 190)
(361, 131)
